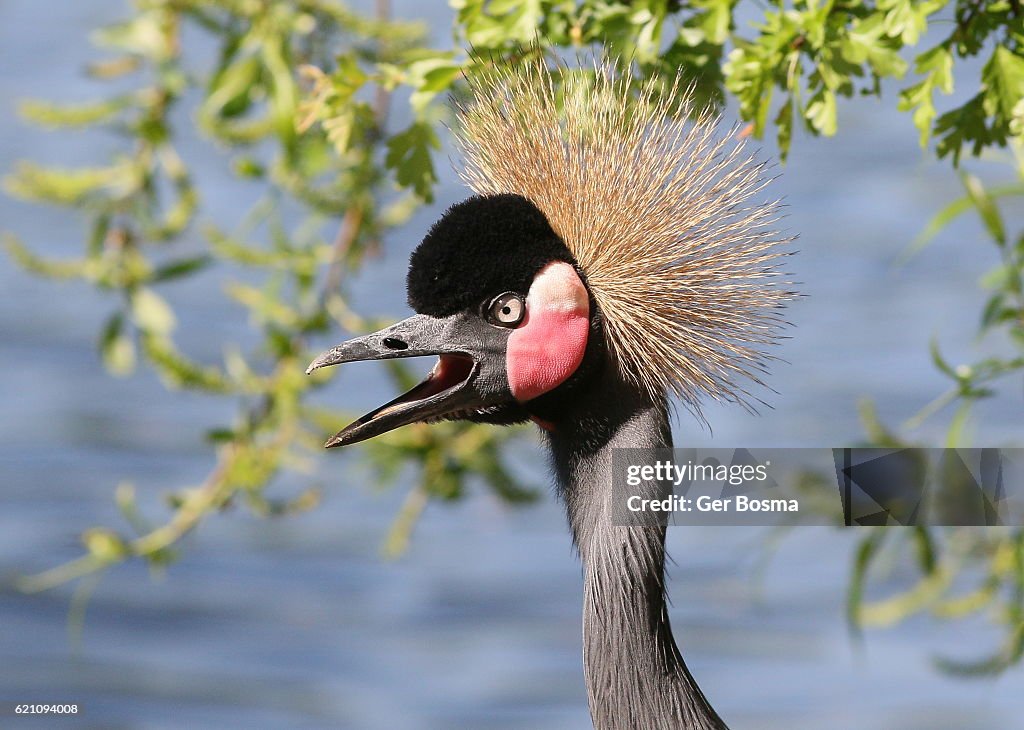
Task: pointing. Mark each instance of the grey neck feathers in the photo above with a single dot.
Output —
(636, 678)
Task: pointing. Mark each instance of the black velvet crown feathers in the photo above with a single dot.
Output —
(480, 248)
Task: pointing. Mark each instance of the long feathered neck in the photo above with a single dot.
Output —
(636, 678)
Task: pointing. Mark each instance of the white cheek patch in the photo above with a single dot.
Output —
(558, 289)
(549, 345)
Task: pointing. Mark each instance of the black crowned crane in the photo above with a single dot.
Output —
(613, 256)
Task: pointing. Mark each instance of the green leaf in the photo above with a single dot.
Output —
(348, 77)
(866, 42)
(249, 168)
(151, 313)
(784, 124)
(998, 278)
(104, 545)
(937, 223)
(967, 124)
(144, 35)
(986, 208)
(409, 156)
(181, 267)
(937, 63)
(514, 21)
(937, 66)
(284, 93)
(433, 74)
(749, 74)
(822, 112)
(908, 20)
(230, 91)
(996, 312)
(264, 305)
(430, 77)
(112, 68)
(58, 116)
(177, 371)
(716, 21)
(339, 129)
(954, 210)
(1004, 80)
(925, 550)
(919, 98)
(939, 361)
(116, 348)
(991, 115)
(59, 186)
(866, 552)
(29, 261)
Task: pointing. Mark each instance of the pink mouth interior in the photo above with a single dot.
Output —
(450, 371)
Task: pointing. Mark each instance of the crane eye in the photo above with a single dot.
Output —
(506, 310)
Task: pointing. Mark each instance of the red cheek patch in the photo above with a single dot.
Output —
(548, 346)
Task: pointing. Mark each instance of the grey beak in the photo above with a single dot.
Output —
(413, 337)
(462, 343)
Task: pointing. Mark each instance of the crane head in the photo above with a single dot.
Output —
(614, 224)
(501, 304)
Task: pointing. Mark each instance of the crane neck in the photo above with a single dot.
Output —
(636, 678)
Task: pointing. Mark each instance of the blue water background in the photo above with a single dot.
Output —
(300, 623)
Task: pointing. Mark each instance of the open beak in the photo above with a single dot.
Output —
(452, 387)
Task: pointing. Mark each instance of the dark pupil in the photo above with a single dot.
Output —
(506, 309)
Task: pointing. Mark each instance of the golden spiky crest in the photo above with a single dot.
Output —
(658, 209)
